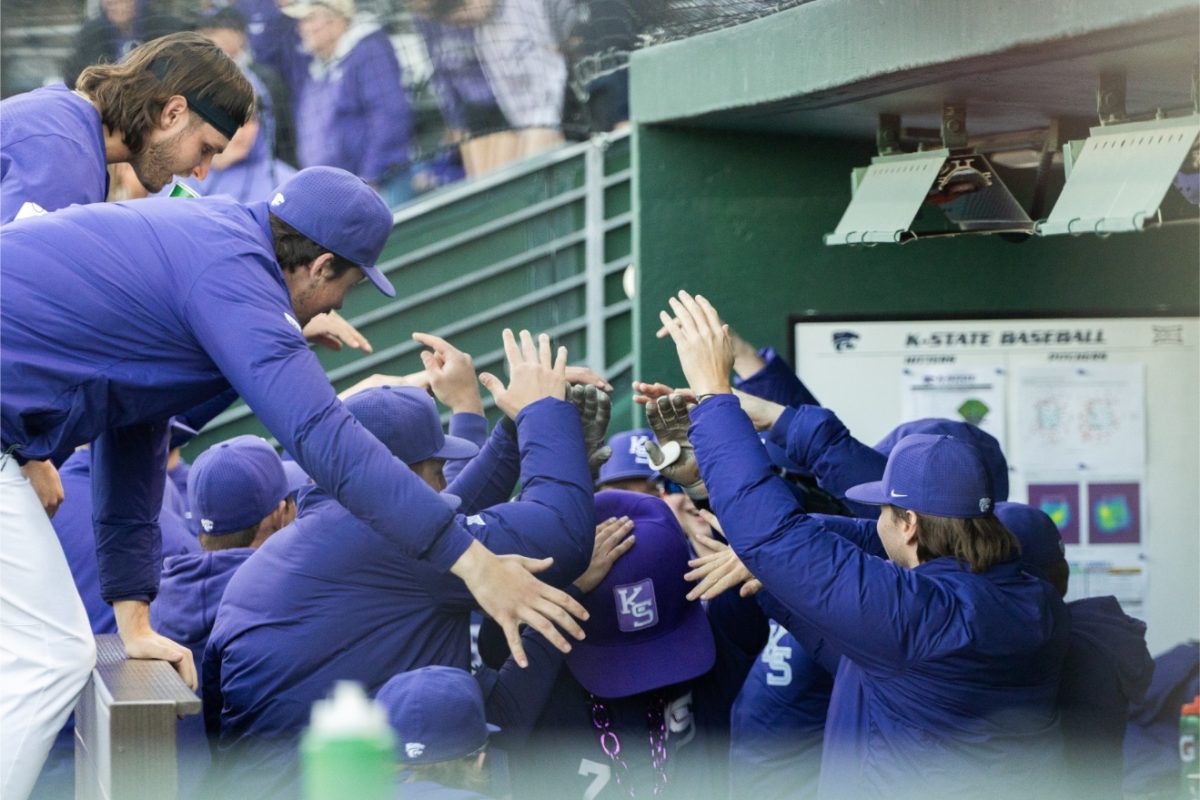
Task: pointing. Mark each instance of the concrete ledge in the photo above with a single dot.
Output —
(836, 51)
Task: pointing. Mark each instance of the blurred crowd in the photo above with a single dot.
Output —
(409, 98)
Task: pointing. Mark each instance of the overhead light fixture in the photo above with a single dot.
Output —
(1119, 176)
(888, 195)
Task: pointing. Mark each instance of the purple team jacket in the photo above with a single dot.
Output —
(116, 316)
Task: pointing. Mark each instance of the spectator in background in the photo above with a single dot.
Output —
(599, 46)
(120, 27)
(519, 47)
(275, 42)
(228, 29)
(351, 110)
(465, 96)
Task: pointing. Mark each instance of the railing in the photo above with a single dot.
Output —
(541, 245)
(125, 727)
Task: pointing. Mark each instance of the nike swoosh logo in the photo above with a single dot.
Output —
(894, 493)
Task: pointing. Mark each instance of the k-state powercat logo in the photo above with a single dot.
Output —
(844, 340)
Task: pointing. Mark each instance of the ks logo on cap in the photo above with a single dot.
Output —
(637, 449)
(414, 749)
(636, 606)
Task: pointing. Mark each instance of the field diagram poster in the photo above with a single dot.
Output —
(964, 393)
(1074, 417)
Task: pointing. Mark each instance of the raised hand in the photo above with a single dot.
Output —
(595, 409)
(746, 360)
(507, 591)
(586, 376)
(333, 331)
(532, 374)
(614, 537)
(418, 379)
(718, 572)
(703, 343)
(451, 374)
(763, 413)
(647, 392)
(673, 454)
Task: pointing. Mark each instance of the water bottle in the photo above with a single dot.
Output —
(349, 750)
(183, 190)
(1189, 764)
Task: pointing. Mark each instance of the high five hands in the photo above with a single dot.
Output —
(703, 342)
(533, 374)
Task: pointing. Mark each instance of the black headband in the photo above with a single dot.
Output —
(218, 117)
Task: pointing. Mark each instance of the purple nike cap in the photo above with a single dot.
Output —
(937, 475)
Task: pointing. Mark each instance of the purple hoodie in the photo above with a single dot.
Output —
(190, 591)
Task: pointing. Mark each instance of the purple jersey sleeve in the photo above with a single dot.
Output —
(260, 350)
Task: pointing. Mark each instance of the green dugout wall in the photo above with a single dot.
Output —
(739, 216)
(540, 245)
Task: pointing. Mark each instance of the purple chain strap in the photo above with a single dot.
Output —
(609, 743)
(656, 723)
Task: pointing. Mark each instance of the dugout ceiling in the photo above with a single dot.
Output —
(830, 67)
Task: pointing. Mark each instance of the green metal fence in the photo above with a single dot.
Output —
(541, 245)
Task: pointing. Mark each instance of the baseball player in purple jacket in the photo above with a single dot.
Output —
(116, 316)
(950, 653)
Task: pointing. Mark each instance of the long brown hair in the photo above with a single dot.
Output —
(130, 95)
(980, 543)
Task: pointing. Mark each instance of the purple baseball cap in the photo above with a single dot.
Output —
(988, 446)
(643, 632)
(629, 459)
(340, 212)
(931, 474)
(1041, 543)
(406, 420)
(437, 713)
(234, 484)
